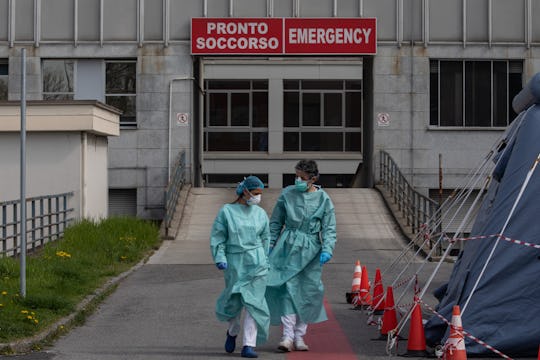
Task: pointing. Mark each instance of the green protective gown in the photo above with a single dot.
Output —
(301, 226)
(240, 237)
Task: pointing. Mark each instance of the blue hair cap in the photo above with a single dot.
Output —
(250, 183)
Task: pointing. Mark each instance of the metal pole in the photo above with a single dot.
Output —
(23, 173)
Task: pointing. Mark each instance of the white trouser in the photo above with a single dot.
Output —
(250, 329)
(293, 328)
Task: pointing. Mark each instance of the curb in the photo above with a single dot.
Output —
(31, 343)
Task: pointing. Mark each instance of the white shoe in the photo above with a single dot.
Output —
(285, 345)
(300, 345)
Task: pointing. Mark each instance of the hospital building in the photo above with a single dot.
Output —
(239, 87)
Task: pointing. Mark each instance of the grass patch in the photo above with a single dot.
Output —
(64, 272)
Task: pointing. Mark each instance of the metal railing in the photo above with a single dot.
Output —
(47, 218)
(415, 208)
(174, 188)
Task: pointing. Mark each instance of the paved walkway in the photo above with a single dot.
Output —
(165, 309)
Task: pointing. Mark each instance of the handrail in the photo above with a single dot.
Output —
(174, 188)
(415, 208)
(47, 218)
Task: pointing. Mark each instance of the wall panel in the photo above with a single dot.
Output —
(57, 22)
(4, 19)
(180, 14)
(316, 8)
(120, 20)
(88, 20)
(249, 8)
(153, 20)
(508, 20)
(24, 20)
(445, 20)
(478, 20)
(385, 11)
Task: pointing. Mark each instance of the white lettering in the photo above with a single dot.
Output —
(273, 43)
(200, 43)
(211, 26)
(220, 28)
(366, 32)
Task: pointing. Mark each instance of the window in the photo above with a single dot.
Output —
(473, 93)
(58, 79)
(230, 180)
(65, 79)
(322, 115)
(121, 89)
(4, 80)
(325, 180)
(236, 115)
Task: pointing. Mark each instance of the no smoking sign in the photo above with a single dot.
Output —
(383, 119)
(182, 119)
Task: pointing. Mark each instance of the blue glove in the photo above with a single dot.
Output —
(325, 257)
(221, 265)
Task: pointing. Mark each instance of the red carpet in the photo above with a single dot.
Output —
(326, 341)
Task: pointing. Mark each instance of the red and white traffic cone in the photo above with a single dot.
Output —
(455, 344)
(355, 288)
(378, 294)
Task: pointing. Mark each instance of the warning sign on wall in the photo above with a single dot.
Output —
(182, 119)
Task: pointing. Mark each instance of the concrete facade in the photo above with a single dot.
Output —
(169, 80)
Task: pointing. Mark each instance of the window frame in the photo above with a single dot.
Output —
(4, 63)
(210, 130)
(58, 95)
(123, 123)
(62, 95)
(435, 70)
(322, 128)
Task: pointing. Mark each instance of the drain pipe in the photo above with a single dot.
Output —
(169, 143)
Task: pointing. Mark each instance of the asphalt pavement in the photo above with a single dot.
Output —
(165, 308)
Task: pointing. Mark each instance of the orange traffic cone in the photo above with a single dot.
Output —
(416, 345)
(378, 292)
(365, 296)
(355, 288)
(389, 320)
(455, 344)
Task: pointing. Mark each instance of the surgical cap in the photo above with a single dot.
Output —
(250, 183)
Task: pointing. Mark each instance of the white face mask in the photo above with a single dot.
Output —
(254, 199)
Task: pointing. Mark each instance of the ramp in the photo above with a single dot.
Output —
(364, 225)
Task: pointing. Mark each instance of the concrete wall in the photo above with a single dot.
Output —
(58, 163)
(53, 163)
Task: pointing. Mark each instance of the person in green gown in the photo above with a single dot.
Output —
(239, 243)
(302, 240)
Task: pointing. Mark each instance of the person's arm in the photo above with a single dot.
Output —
(277, 220)
(218, 238)
(328, 223)
(265, 235)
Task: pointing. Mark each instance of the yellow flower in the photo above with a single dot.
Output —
(4, 292)
(24, 311)
(29, 317)
(1, 305)
(36, 321)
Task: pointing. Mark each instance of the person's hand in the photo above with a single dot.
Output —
(221, 265)
(324, 258)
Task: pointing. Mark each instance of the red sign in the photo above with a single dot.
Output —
(236, 36)
(283, 36)
(330, 36)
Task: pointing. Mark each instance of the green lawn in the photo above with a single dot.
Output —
(64, 272)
